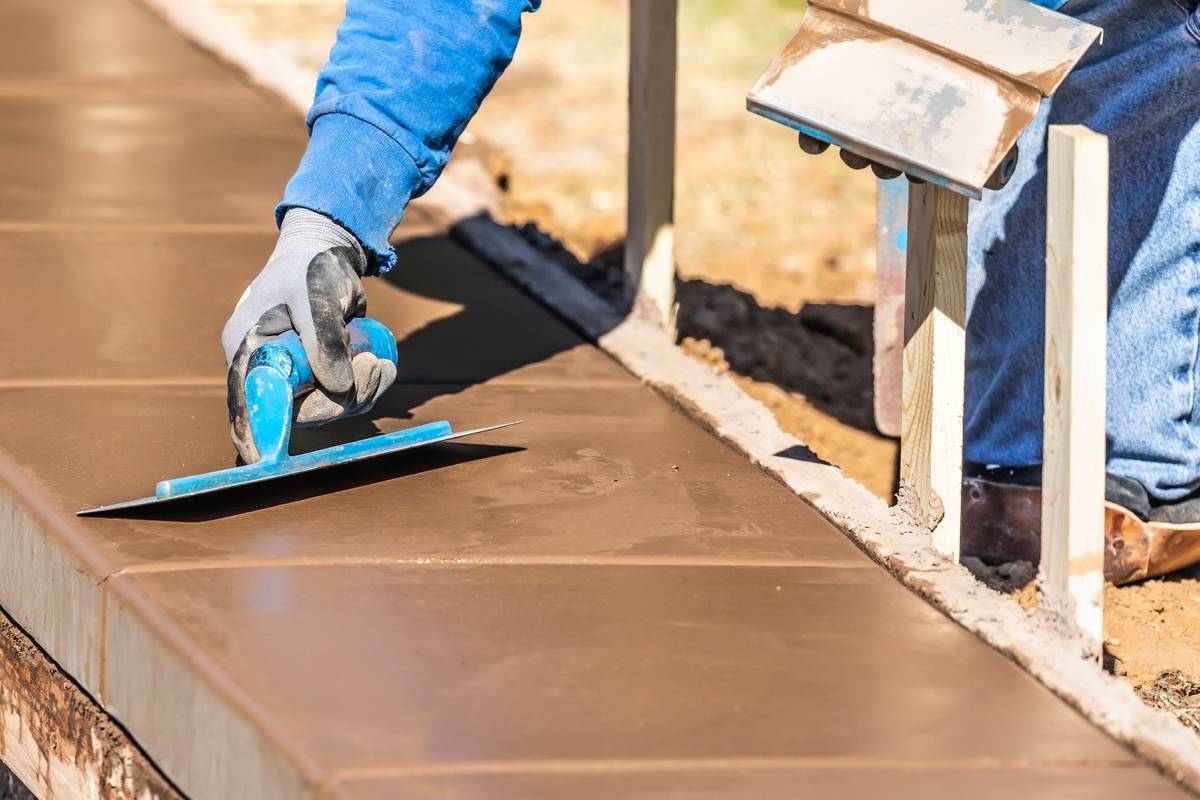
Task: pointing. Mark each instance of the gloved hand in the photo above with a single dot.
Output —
(311, 284)
(815, 147)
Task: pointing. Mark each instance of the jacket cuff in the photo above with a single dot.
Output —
(359, 177)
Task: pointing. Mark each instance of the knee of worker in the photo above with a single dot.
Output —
(1153, 403)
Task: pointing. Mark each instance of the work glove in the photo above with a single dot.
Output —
(815, 147)
(312, 284)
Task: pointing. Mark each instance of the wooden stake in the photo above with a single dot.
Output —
(891, 252)
(931, 436)
(1073, 451)
(650, 234)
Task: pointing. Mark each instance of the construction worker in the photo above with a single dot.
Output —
(402, 82)
(1141, 88)
(405, 77)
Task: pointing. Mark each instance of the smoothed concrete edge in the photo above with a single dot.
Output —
(47, 589)
(1038, 641)
(164, 699)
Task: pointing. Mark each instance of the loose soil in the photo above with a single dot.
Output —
(1154, 627)
(1151, 631)
(775, 249)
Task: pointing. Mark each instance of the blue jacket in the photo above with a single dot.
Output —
(402, 82)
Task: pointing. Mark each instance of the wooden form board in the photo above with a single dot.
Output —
(1073, 450)
(650, 233)
(931, 439)
(57, 741)
(891, 250)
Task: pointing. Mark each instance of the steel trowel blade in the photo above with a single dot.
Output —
(360, 450)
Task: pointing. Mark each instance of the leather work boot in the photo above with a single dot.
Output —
(1002, 523)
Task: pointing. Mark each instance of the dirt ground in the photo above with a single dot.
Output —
(1154, 627)
(775, 249)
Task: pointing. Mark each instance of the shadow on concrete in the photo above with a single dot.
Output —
(497, 328)
(822, 352)
(799, 452)
(280, 491)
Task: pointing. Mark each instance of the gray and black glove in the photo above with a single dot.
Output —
(311, 284)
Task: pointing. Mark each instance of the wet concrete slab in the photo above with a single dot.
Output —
(196, 160)
(611, 471)
(103, 46)
(628, 475)
(447, 666)
(750, 779)
(604, 590)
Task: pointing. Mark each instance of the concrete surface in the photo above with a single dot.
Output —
(605, 601)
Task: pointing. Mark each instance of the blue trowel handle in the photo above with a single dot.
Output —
(286, 354)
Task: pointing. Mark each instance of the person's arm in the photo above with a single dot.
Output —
(401, 84)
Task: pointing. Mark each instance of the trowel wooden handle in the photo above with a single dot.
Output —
(285, 353)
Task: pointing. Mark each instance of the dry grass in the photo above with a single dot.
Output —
(1177, 694)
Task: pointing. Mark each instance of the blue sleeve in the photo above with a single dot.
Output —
(402, 82)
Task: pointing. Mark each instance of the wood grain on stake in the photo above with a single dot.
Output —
(650, 238)
(1072, 579)
(931, 438)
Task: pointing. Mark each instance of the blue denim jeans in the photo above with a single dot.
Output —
(1140, 87)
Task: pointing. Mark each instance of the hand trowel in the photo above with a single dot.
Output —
(940, 89)
(279, 372)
